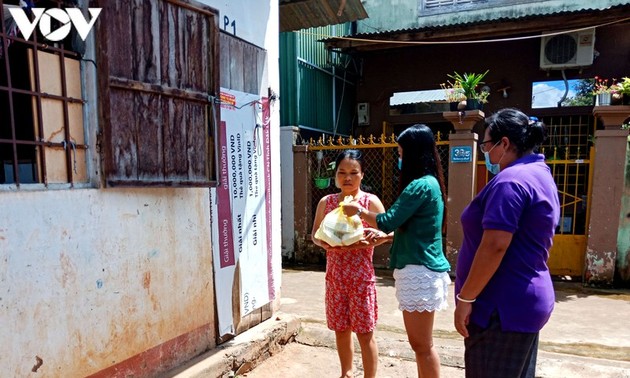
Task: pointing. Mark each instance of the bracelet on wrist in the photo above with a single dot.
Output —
(464, 300)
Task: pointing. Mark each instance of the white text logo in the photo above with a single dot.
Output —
(43, 17)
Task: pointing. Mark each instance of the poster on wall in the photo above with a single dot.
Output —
(241, 207)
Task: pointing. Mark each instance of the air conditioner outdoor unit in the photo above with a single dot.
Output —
(567, 50)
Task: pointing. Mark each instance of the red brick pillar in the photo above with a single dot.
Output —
(462, 174)
(608, 184)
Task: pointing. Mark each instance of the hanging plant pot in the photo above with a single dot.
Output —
(322, 182)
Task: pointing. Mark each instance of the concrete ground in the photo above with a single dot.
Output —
(588, 335)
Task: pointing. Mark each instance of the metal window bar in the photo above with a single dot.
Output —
(37, 95)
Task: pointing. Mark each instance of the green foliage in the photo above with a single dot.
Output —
(469, 82)
(583, 94)
(624, 86)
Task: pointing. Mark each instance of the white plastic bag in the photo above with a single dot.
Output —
(338, 229)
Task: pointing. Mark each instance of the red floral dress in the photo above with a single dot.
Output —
(350, 283)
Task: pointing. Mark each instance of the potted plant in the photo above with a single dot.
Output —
(604, 92)
(623, 89)
(469, 82)
(453, 93)
(324, 171)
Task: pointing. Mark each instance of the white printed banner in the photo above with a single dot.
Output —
(242, 206)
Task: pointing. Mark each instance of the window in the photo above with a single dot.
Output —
(435, 4)
(158, 77)
(41, 106)
(157, 72)
(551, 94)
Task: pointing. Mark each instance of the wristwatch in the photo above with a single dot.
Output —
(359, 211)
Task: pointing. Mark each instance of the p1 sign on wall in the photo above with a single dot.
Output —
(243, 18)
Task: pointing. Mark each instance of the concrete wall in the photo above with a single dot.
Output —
(90, 277)
(623, 238)
(385, 13)
(288, 136)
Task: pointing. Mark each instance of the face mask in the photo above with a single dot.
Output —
(493, 168)
(400, 164)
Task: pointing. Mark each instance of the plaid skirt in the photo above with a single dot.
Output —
(493, 353)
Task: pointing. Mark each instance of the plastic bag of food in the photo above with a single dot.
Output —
(338, 229)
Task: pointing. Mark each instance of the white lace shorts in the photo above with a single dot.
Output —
(420, 289)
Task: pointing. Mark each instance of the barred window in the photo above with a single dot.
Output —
(41, 105)
(156, 72)
(435, 4)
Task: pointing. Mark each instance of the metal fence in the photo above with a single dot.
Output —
(380, 157)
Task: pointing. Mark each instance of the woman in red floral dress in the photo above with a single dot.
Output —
(350, 281)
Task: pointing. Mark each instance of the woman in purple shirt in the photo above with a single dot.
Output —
(504, 293)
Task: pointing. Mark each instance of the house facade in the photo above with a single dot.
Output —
(530, 49)
(118, 154)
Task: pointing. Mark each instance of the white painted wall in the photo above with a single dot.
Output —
(287, 140)
(90, 277)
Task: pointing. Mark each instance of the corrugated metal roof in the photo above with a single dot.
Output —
(498, 14)
(492, 12)
(414, 97)
(304, 14)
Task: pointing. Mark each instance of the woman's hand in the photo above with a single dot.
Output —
(374, 236)
(462, 317)
(352, 209)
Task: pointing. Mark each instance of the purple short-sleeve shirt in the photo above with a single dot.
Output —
(523, 200)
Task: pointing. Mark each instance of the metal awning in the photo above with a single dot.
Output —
(414, 97)
(304, 14)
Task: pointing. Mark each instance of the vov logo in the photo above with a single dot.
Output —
(44, 17)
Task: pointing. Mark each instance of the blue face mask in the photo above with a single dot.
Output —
(400, 164)
(492, 168)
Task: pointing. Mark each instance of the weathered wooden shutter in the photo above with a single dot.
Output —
(158, 70)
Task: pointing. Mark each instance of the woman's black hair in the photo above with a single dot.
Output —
(420, 158)
(526, 133)
(349, 154)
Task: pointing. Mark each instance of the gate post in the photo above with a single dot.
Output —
(462, 174)
(301, 199)
(608, 184)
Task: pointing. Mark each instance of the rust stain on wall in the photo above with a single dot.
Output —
(68, 271)
(146, 280)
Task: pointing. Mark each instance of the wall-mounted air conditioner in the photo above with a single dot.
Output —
(567, 50)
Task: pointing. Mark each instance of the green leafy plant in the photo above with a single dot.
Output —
(469, 82)
(623, 86)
